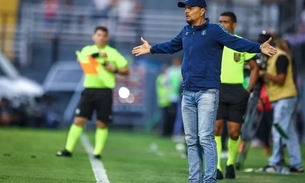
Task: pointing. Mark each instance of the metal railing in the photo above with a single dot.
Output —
(76, 25)
(159, 25)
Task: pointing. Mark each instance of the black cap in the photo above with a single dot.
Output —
(263, 37)
(199, 3)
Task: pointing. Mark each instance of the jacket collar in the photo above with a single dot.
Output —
(200, 27)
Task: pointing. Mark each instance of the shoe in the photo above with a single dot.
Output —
(238, 166)
(296, 170)
(230, 172)
(268, 169)
(64, 153)
(219, 175)
(178, 138)
(99, 157)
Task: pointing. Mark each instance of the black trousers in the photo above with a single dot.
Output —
(169, 116)
(264, 130)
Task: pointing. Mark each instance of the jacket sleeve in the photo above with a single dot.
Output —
(235, 43)
(172, 46)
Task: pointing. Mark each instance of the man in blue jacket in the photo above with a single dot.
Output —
(202, 43)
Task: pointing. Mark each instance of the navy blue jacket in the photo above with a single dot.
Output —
(202, 46)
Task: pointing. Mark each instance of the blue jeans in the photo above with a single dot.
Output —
(283, 111)
(199, 114)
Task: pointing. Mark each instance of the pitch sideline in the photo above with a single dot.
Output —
(97, 166)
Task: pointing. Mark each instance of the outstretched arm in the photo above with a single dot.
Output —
(172, 46)
(142, 49)
(243, 45)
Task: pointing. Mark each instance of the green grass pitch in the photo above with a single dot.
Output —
(28, 156)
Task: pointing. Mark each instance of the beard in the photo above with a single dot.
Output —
(189, 21)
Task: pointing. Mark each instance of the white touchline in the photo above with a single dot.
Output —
(97, 166)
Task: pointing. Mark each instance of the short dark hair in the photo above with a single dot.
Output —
(101, 28)
(231, 15)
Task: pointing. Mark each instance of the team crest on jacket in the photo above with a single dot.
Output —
(237, 57)
(203, 32)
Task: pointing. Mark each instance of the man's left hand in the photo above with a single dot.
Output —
(267, 49)
(110, 67)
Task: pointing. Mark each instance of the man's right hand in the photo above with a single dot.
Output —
(267, 49)
(142, 49)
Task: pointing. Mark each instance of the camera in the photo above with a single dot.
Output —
(262, 61)
(261, 58)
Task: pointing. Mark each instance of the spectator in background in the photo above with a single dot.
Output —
(162, 90)
(174, 78)
(6, 112)
(45, 114)
(50, 8)
(102, 8)
(178, 125)
(175, 83)
(67, 14)
(287, 15)
(168, 90)
(302, 24)
(270, 12)
(128, 11)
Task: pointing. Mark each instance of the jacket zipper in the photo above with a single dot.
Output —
(189, 63)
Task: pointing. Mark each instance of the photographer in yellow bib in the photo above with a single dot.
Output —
(100, 62)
